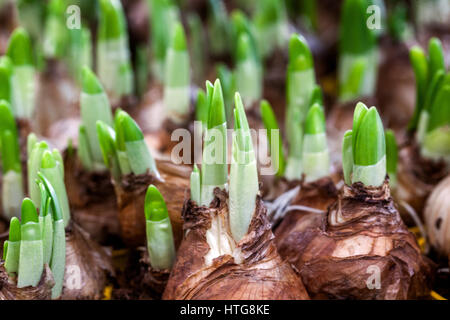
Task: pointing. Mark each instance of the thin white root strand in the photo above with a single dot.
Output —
(417, 221)
(276, 210)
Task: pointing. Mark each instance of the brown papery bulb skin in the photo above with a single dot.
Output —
(319, 194)
(9, 290)
(437, 217)
(131, 200)
(260, 275)
(92, 199)
(88, 266)
(361, 250)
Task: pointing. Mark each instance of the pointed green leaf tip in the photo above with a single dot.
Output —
(106, 137)
(216, 115)
(315, 120)
(90, 82)
(48, 162)
(179, 38)
(19, 48)
(201, 109)
(29, 213)
(55, 205)
(14, 230)
(436, 57)
(155, 206)
(370, 140)
(112, 19)
(241, 124)
(300, 57)
(131, 130)
(118, 123)
(244, 51)
(358, 115)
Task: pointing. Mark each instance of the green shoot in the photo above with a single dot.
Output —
(177, 77)
(58, 257)
(31, 257)
(228, 81)
(11, 248)
(358, 52)
(316, 158)
(243, 175)
(391, 157)
(139, 156)
(23, 78)
(113, 53)
(214, 164)
(271, 26)
(94, 106)
(12, 190)
(195, 185)
(273, 138)
(248, 71)
(55, 31)
(164, 14)
(6, 71)
(160, 244)
(369, 152)
(300, 85)
(51, 171)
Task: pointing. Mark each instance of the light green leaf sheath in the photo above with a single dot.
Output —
(177, 77)
(276, 145)
(214, 164)
(122, 157)
(195, 185)
(46, 221)
(107, 138)
(347, 157)
(113, 53)
(369, 154)
(316, 158)
(50, 170)
(294, 165)
(94, 106)
(58, 258)
(248, 72)
(137, 151)
(161, 247)
(31, 257)
(420, 67)
(34, 165)
(243, 175)
(11, 248)
(300, 84)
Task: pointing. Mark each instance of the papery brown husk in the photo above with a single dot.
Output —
(336, 261)
(91, 195)
(9, 290)
(139, 280)
(131, 200)
(262, 274)
(416, 178)
(319, 194)
(92, 261)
